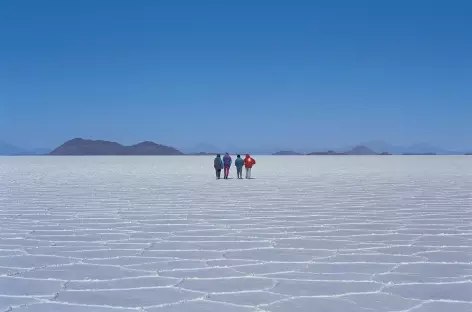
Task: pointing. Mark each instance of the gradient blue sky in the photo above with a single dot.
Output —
(292, 73)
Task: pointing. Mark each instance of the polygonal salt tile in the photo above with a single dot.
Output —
(68, 238)
(138, 282)
(278, 254)
(401, 250)
(61, 250)
(229, 262)
(82, 272)
(363, 268)
(323, 288)
(128, 245)
(447, 256)
(170, 265)
(8, 253)
(21, 242)
(312, 243)
(8, 271)
(100, 254)
(314, 304)
(201, 306)
(274, 267)
(381, 302)
(252, 298)
(400, 278)
(212, 246)
(460, 291)
(57, 307)
(10, 302)
(202, 273)
(375, 258)
(320, 276)
(130, 298)
(226, 285)
(185, 254)
(442, 240)
(30, 261)
(28, 287)
(440, 306)
(436, 270)
(127, 261)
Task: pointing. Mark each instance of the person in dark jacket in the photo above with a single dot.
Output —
(218, 165)
(227, 161)
(239, 164)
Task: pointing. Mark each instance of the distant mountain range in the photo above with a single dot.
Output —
(414, 149)
(286, 153)
(377, 147)
(150, 148)
(357, 150)
(80, 146)
(11, 150)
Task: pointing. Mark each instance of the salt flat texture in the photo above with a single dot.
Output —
(160, 234)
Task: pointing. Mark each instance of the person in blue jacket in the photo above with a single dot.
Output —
(239, 164)
(227, 161)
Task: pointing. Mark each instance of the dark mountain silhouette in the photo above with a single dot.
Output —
(203, 154)
(99, 147)
(358, 150)
(417, 148)
(286, 153)
(419, 154)
(377, 147)
(361, 150)
(328, 153)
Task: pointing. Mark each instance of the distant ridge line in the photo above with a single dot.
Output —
(82, 147)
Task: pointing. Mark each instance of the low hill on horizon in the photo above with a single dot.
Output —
(328, 153)
(12, 150)
(286, 153)
(82, 147)
(358, 150)
(361, 150)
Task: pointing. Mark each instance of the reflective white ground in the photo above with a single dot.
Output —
(161, 234)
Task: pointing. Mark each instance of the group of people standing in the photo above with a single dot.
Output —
(225, 164)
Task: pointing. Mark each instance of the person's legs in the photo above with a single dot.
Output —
(218, 173)
(240, 173)
(249, 173)
(226, 172)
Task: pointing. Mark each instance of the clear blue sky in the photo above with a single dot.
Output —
(292, 73)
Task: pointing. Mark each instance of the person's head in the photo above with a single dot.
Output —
(226, 154)
(218, 155)
(239, 156)
(247, 156)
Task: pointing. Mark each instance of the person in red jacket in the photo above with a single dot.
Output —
(248, 163)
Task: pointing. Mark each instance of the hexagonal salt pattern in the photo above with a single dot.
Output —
(159, 234)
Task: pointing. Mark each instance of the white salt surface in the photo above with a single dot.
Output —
(161, 234)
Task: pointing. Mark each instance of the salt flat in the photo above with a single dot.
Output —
(160, 234)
